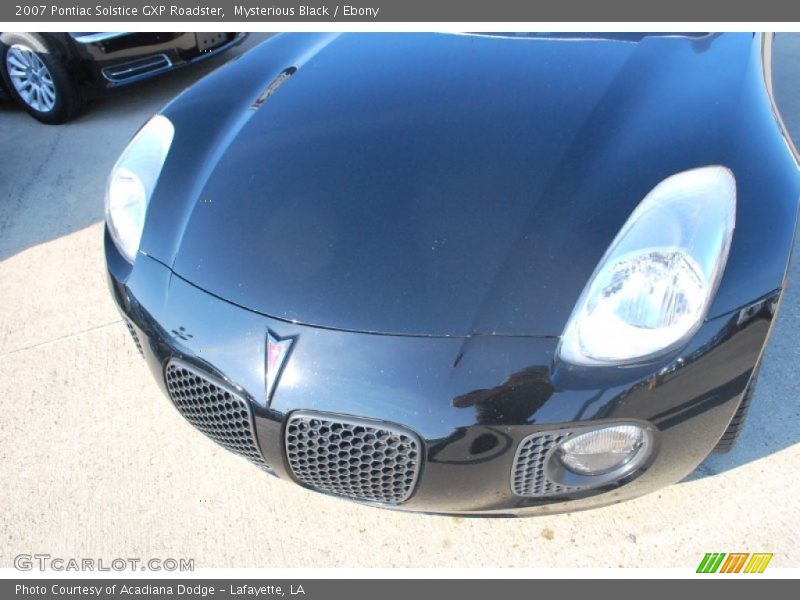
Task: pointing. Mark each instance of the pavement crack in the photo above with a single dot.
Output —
(60, 338)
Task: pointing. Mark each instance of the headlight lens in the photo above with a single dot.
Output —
(132, 182)
(655, 283)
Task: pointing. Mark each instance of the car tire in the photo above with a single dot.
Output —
(37, 78)
(728, 439)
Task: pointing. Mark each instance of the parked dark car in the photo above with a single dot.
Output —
(475, 274)
(51, 75)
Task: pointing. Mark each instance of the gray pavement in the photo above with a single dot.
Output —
(94, 462)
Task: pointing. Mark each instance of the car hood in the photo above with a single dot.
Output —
(445, 185)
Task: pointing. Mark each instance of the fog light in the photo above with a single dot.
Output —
(602, 451)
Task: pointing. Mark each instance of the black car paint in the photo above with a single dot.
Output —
(439, 184)
(87, 60)
(471, 372)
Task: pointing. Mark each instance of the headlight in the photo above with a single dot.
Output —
(132, 181)
(655, 283)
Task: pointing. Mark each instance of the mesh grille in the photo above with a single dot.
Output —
(528, 477)
(215, 410)
(134, 335)
(353, 457)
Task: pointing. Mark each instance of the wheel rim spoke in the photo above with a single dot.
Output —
(49, 95)
(31, 78)
(15, 61)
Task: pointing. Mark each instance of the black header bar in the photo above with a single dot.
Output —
(386, 11)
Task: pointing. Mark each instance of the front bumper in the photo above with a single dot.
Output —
(470, 401)
(121, 59)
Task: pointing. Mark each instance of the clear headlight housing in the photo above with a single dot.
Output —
(132, 182)
(602, 450)
(653, 287)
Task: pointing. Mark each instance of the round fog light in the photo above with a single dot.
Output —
(602, 451)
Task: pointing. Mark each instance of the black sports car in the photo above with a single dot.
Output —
(51, 75)
(475, 274)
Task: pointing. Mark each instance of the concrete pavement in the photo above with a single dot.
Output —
(95, 462)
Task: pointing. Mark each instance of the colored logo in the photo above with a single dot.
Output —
(277, 352)
(735, 562)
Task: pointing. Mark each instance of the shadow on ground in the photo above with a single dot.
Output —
(52, 178)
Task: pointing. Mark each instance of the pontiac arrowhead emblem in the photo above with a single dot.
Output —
(277, 352)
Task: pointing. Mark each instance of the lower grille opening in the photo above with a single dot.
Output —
(353, 457)
(134, 336)
(213, 408)
(538, 472)
(528, 476)
(137, 68)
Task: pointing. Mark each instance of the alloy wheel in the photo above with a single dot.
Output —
(31, 78)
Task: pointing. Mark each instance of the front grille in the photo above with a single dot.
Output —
(353, 457)
(137, 68)
(134, 335)
(206, 42)
(528, 476)
(214, 409)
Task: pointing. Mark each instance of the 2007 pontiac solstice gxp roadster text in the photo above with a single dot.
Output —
(474, 274)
